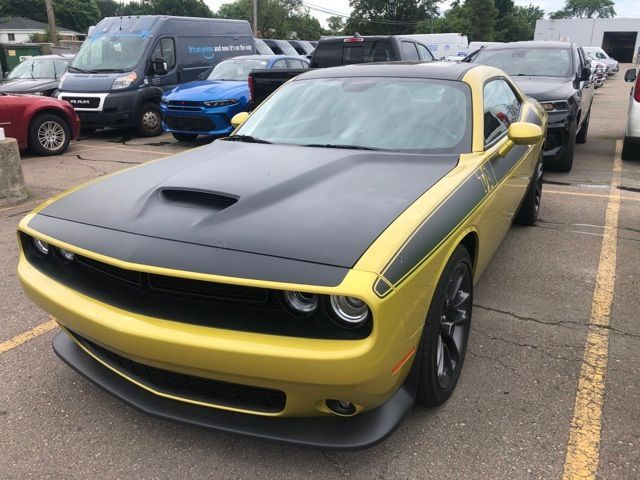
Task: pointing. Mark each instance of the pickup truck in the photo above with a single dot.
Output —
(338, 51)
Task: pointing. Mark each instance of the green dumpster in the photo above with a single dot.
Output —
(11, 54)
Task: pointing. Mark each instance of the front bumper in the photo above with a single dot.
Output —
(360, 431)
(558, 134)
(116, 109)
(200, 121)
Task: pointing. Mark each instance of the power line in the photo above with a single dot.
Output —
(370, 20)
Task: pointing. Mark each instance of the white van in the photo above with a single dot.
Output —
(443, 45)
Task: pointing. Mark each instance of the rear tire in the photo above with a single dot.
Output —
(630, 150)
(444, 339)
(528, 213)
(581, 137)
(565, 163)
(49, 135)
(185, 137)
(149, 120)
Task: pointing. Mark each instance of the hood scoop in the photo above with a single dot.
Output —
(198, 198)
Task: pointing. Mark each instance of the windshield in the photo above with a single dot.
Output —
(110, 53)
(397, 114)
(262, 48)
(40, 68)
(537, 62)
(236, 69)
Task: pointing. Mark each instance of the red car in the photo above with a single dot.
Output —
(42, 124)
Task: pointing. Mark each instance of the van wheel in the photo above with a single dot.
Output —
(149, 120)
(444, 339)
(49, 135)
(184, 137)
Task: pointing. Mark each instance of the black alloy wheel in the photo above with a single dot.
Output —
(530, 208)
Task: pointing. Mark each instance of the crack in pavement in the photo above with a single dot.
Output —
(80, 157)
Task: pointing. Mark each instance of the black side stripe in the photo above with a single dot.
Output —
(441, 224)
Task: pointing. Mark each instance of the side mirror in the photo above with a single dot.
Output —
(524, 133)
(159, 66)
(238, 119)
(630, 75)
(585, 75)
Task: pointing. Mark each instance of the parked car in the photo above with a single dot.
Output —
(631, 146)
(309, 278)
(126, 64)
(43, 125)
(336, 51)
(558, 76)
(206, 107)
(37, 75)
(262, 48)
(302, 47)
(603, 57)
(280, 47)
(598, 72)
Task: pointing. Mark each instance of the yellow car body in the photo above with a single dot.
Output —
(396, 277)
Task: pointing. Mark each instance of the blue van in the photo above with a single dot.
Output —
(127, 63)
(206, 107)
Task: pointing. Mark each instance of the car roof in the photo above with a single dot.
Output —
(433, 70)
(530, 44)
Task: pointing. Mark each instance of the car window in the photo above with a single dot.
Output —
(424, 53)
(397, 114)
(295, 63)
(409, 50)
(534, 62)
(501, 109)
(332, 54)
(280, 64)
(165, 48)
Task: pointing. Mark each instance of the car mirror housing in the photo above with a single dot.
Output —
(159, 66)
(585, 75)
(630, 75)
(238, 119)
(524, 133)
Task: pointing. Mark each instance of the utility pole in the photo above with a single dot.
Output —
(255, 18)
(53, 32)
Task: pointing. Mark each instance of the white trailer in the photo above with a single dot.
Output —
(443, 45)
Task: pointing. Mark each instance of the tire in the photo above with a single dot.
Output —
(149, 120)
(437, 376)
(581, 137)
(49, 135)
(630, 150)
(565, 162)
(184, 137)
(528, 212)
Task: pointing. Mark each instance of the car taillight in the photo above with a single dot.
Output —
(636, 94)
(353, 39)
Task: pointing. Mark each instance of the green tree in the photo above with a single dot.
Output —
(586, 9)
(483, 14)
(185, 8)
(77, 15)
(33, 9)
(335, 25)
(370, 17)
(109, 8)
(456, 19)
(518, 24)
(276, 18)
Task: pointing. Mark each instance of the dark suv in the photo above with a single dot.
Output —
(337, 51)
(558, 76)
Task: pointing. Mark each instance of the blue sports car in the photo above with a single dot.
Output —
(205, 107)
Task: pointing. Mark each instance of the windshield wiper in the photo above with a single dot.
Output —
(81, 70)
(110, 70)
(349, 147)
(244, 138)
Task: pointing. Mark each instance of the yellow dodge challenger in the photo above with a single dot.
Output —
(309, 278)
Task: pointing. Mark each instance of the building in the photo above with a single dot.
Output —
(619, 37)
(19, 29)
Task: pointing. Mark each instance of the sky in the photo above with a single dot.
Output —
(624, 8)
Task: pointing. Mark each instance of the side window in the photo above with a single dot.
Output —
(501, 108)
(409, 50)
(294, 63)
(583, 61)
(352, 54)
(424, 53)
(166, 49)
(280, 64)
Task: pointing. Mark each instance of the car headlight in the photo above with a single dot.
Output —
(41, 247)
(65, 255)
(351, 312)
(164, 100)
(124, 81)
(560, 106)
(301, 303)
(221, 103)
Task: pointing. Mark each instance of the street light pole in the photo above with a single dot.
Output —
(53, 32)
(255, 18)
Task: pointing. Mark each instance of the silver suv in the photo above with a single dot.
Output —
(601, 56)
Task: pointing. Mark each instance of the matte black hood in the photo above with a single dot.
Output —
(546, 88)
(312, 204)
(27, 85)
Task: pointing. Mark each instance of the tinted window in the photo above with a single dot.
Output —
(501, 109)
(398, 114)
(331, 54)
(165, 48)
(286, 48)
(537, 62)
(295, 63)
(280, 64)
(352, 54)
(410, 52)
(424, 53)
(262, 48)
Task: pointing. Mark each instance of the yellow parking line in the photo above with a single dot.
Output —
(583, 448)
(28, 335)
(580, 194)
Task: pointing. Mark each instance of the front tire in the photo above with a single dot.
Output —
(149, 120)
(185, 137)
(630, 150)
(444, 339)
(565, 163)
(581, 137)
(49, 135)
(528, 213)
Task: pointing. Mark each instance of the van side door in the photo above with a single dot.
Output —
(164, 49)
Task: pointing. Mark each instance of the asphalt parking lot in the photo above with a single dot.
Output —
(550, 385)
